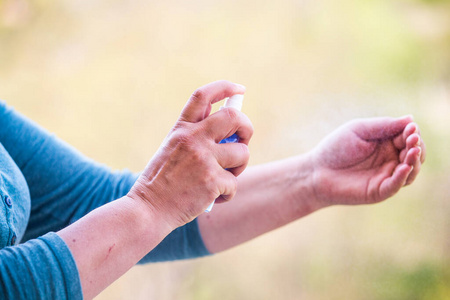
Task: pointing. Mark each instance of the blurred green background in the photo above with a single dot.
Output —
(110, 77)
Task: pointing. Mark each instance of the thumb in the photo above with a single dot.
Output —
(199, 104)
(381, 128)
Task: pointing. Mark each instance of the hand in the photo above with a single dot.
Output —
(367, 161)
(188, 171)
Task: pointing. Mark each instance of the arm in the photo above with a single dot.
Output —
(362, 162)
(182, 179)
(65, 185)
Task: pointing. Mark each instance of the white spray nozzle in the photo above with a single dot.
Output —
(234, 101)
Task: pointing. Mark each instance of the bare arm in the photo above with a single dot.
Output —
(265, 201)
(108, 241)
(362, 162)
(180, 181)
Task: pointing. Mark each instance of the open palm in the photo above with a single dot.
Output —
(367, 160)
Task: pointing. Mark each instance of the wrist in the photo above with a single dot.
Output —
(303, 197)
(146, 224)
(142, 204)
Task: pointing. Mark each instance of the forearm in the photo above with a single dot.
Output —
(65, 185)
(268, 197)
(108, 241)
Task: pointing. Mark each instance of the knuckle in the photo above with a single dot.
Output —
(179, 137)
(184, 146)
(199, 94)
(209, 181)
(191, 142)
(191, 148)
(179, 125)
(232, 113)
(197, 154)
(208, 176)
(233, 185)
(245, 151)
(185, 135)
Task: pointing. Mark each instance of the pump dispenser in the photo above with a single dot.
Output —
(234, 101)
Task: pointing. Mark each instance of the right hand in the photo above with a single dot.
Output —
(188, 172)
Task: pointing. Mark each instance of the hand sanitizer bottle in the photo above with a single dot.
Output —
(235, 102)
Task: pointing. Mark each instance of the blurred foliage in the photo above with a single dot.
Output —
(427, 281)
(110, 77)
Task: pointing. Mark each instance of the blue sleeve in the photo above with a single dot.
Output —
(65, 185)
(183, 243)
(41, 268)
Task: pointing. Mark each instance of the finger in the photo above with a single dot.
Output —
(392, 184)
(413, 159)
(400, 139)
(226, 122)
(411, 142)
(412, 156)
(380, 128)
(402, 155)
(423, 152)
(228, 187)
(198, 106)
(233, 157)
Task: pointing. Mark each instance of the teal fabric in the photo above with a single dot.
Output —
(45, 186)
(41, 268)
(13, 214)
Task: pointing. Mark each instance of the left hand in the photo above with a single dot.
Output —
(367, 161)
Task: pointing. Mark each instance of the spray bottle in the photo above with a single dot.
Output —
(235, 102)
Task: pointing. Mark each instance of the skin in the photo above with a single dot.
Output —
(364, 161)
(186, 174)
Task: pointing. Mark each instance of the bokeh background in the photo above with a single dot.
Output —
(110, 77)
